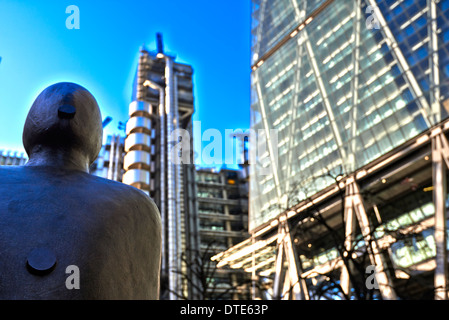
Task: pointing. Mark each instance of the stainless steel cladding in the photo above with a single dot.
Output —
(137, 161)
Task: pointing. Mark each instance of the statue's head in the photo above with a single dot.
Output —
(64, 119)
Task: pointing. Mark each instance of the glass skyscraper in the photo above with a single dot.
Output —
(342, 83)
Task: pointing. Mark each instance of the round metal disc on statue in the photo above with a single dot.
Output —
(66, 111)
(41, 261)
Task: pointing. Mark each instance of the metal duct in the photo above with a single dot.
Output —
(178, 169)
(117, 158)
(138, 124)
(162, 170)
(111, 158)
(171, 187)
(137, 108)
(137, 141)
(137, 159)
(137, 178)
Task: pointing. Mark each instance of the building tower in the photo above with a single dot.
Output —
(160, 114)
(12, 158)
(223, 221)
(109, 163)
(348, 87)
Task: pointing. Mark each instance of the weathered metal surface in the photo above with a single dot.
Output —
(54, 214)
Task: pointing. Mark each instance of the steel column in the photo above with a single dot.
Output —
(355, 85)
(279, 266)
(290, 278)
(384, 282)
(434, 61)
(350, 227)
(354, 200)
(440, 162)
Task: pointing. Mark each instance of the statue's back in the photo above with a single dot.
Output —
(108, 231)
(66, 234)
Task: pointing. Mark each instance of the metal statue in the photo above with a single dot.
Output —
(64, 233)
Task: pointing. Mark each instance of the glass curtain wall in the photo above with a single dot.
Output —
(339, 90)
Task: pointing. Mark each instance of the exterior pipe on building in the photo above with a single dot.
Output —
(178, 169)
(111, 158)
(171, 205)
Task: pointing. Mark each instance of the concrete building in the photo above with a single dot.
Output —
(109, 163)
(222, 198)
(356, 92)
(160, 114)
(12, 158)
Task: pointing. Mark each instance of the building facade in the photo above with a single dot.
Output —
(109, 163)
(12, 158)
(357, 94)
(222, 198)
(160, 116)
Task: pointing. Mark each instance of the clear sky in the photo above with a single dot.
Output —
(38, 50)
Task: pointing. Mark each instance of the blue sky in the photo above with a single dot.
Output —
(38, 50)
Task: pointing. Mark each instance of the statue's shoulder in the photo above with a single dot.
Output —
(6, 169)
(10, 172)
(124, 195)
(115, 187)
(100, 193)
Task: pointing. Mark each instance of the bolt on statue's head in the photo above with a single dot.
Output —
(64, 119)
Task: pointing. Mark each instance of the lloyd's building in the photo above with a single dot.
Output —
(162, 105)
(354, 204)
